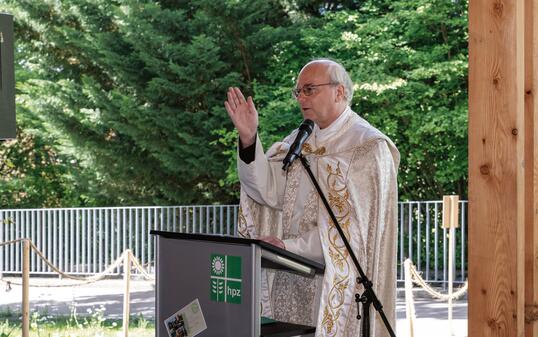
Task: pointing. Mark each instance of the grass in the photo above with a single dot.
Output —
(92, 324)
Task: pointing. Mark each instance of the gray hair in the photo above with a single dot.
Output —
(337, 74)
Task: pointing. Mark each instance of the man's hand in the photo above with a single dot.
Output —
(273, 240)
(243, 115)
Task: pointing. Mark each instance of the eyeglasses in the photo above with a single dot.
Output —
(309, 89)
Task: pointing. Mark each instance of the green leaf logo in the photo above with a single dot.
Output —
(225, 279)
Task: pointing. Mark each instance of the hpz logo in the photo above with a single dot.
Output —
(226, 279)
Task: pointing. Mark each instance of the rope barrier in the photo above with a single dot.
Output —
(127, 259)
(413, 276)
(5, 243)
(83, 280)
(141, 269)
(93, 278)
(418, 280)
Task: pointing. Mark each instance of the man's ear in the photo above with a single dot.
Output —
(340, 93)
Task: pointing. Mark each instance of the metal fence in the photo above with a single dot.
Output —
(423, 239)
(87, 240)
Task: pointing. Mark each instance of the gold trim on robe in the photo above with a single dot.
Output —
(356, 168)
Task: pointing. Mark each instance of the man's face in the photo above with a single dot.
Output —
(324, 105)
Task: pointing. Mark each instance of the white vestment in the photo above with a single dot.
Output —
(356, 166)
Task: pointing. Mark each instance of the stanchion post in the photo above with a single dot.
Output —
(409, 301)
(450, 279)
(450, 221)
(25, 288)
(126, 299)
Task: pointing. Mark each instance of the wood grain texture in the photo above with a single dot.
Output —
(496, 172)
(531, 172)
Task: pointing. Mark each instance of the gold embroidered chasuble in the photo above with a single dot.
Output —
(355, 165)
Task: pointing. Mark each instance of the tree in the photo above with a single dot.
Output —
(133, 89)
(124, 97)
(408, 60)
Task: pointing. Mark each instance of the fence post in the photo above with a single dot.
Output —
(25, 288)
(126, 299)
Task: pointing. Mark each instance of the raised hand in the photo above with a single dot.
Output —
(243, 114)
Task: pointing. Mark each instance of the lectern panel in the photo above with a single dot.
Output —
(219, 275)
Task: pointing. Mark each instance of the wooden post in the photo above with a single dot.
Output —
(531, 170)
(446, 211)
(126, 297)
(409, 301)
(454, 223)
(497, 164)
(450, 221)
(447, 223)
(25, 288)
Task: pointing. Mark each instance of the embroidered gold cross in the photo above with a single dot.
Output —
(307, 148)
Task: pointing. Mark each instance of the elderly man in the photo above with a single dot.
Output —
(356, 167)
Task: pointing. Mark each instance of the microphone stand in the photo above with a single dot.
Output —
(368, 297)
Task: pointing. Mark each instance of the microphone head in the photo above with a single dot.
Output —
(307, 125)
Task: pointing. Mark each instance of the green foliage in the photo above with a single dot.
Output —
(131, 90)
(6, 329)
(408, 61)
(141, 322)
(92, 323)
(120, 102)
(35, 174)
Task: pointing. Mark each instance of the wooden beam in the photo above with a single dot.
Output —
(531, 170)
(496, 168)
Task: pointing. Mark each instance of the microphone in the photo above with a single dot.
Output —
(305, 129)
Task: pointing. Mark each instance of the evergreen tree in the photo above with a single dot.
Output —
(133, 89)
(120, 101)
